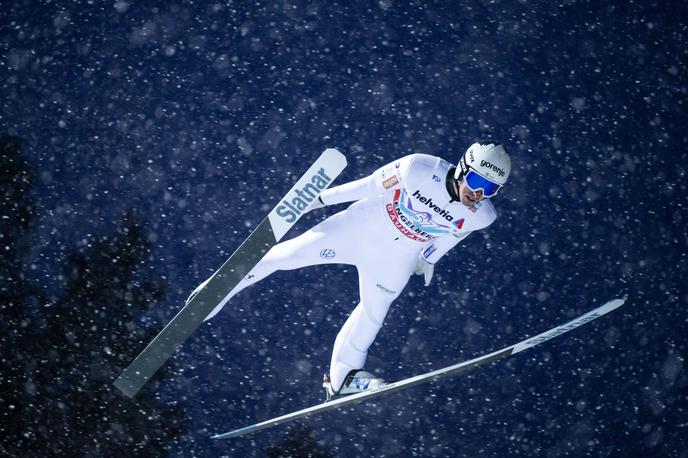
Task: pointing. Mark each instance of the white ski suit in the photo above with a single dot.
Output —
(402, 210)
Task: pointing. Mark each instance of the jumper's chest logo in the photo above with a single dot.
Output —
(428, 201)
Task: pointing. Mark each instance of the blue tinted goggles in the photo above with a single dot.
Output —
(476, 182)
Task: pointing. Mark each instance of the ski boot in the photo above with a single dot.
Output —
(356, 381)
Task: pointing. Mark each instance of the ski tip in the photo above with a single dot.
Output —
(614, 304)
(334, 154)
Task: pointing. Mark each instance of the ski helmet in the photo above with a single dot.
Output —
(489, 160)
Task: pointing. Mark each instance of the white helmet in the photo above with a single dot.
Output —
(484, 166)
(489, 159)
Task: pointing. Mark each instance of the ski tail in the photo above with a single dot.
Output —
(283, 217)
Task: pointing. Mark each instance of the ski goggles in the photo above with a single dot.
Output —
(476, 182)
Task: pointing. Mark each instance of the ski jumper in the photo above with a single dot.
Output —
(401, 211)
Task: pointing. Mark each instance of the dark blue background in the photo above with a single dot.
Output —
(200, 115)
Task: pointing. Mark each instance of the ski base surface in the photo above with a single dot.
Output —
(430, 376)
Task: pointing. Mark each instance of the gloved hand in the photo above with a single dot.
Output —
(424, 268)
(317, 203)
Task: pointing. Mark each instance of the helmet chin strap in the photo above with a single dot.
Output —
(452, 185)
(463, 170)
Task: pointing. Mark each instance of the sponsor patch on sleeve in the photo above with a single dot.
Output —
(390, 182)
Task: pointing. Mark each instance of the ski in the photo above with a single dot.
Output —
(285, 214)
(430, 376)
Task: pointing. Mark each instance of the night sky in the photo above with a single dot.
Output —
(198, 116)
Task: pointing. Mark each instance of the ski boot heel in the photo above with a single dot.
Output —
(329, 393)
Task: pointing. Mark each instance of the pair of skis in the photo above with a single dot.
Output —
(286, 213)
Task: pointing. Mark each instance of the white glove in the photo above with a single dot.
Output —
(424, 268)
(317, 203)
